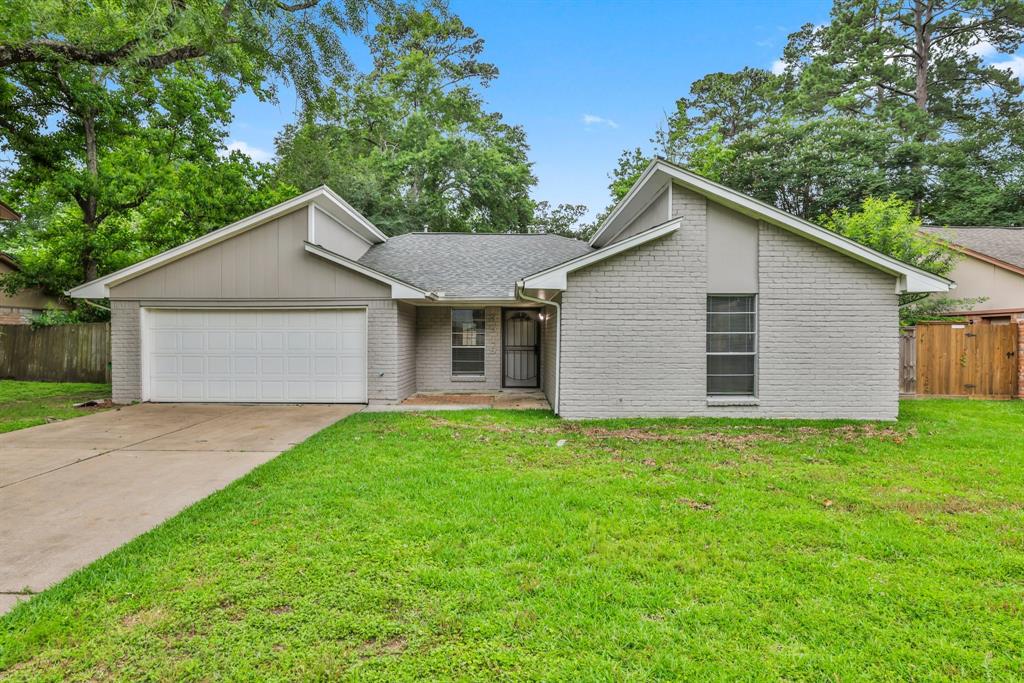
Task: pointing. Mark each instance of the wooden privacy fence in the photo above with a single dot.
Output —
(959, 359)
(62, 353)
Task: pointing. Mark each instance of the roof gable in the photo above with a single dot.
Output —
(654, 178)
(321, 200)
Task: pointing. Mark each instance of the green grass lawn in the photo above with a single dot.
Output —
(470, 545)
(27, 404)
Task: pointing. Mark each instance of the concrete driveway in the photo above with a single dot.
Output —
(70, 492)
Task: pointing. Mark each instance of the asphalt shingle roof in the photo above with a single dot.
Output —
(1005, 244)
(470, 265)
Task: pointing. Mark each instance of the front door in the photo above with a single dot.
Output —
(520, 340)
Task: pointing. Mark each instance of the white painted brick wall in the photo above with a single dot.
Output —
(633, 332)
(434, 355)
(382, 351)
(548, 346)
(406, 384)
(125, 351)
(633, 326)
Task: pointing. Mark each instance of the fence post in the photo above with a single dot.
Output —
(1020, 358)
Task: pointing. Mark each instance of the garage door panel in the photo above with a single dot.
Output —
(245, 341)
(218, 365)
(255, 355)
(193, 365)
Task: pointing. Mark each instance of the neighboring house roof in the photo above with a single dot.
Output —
(8, 214)
(1001, 246)
(470, 265)
(660, 174)
(10, 262)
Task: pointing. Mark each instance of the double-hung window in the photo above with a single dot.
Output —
(732, 345)
(468, 333)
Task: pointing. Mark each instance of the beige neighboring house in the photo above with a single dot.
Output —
(691, 299)
(20, 308)
(991, 266)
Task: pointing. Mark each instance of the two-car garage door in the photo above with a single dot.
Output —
(266, 356)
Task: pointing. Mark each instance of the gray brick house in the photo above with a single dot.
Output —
(691, 299)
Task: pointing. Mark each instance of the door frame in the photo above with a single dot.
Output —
(536, 347)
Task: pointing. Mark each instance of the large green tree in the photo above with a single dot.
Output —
(114, 113)
(888, 97)
(412, 145)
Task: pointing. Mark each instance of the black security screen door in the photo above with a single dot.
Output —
(520, 340)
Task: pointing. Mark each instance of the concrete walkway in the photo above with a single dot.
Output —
(72, 491)
(506, 399)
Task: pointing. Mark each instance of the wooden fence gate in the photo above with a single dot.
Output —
(966, 360)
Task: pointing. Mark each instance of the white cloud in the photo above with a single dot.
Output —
(988, 52)
(592, 120)
(778, 67)
(1015, 63)
(982, 48)
(255, 153)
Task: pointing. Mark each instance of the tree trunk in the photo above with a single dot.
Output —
(90, 200)
(922, 50)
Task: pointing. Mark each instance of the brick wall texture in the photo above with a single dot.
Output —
(125, 351)
(434, 352)
(633, 331)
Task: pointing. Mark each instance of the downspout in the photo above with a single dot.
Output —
(520, 294)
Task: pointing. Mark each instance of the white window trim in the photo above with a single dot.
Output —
(466, 376)
(735, 399)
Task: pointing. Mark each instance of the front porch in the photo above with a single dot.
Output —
(505, 399)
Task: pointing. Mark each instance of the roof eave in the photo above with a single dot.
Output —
(910, 278)
(399, 289)
(556, 277)
(322, 197)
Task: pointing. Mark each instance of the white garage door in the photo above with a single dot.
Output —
(265, 356)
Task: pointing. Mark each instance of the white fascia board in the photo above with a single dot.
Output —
(557, 277)
(399, 289)
(100, 287)
(911, 279)
(624, 202)
(331, 203)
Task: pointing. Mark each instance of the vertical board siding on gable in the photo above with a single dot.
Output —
(267, 262)
(334, 236)
(655, 214)
(434, 351)
(633, 330)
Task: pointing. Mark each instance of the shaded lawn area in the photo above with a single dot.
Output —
(469, 545)
(27, 404)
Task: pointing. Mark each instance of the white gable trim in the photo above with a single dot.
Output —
(556, 277)
(910, 278)
(322, 198)
(399, 289)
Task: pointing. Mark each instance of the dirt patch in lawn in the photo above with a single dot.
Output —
(733, 437)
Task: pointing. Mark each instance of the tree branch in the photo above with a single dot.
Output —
(36, 51)
(298, 5)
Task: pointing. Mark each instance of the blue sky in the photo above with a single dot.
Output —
(589, 79)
